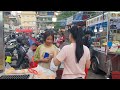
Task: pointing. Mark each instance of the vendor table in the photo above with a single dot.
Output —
(112, 58)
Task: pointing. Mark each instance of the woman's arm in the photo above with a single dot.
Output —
(56, 62)
(37, 54)
(88, 62)
(60, 57)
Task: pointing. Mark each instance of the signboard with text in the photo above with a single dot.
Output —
(97, 20)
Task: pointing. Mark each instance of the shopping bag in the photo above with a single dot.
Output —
(53, 67)
(33, 64)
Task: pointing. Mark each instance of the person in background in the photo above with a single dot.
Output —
(31, 51)
(32, 40)
(41, 38)
(46, 47)
(76, 56)
(63, 37)
(58, 41)
(33, 35)
(87, 39)
(65, 40)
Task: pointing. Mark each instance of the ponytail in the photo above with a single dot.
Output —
(79, 45)
(77, 34)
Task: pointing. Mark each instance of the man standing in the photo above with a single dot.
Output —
(87, 39)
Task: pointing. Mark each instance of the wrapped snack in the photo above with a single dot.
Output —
(9, 71)
(23, 71)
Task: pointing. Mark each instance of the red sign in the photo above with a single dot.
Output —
(24, 30)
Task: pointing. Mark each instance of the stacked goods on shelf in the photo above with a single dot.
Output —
(104, 33)
(116, 43)
(96, 44)
(113, 49)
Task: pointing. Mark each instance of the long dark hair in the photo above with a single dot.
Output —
(47, 34)
(77, 35)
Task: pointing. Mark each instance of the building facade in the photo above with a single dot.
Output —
(44, 19)
(28, 20)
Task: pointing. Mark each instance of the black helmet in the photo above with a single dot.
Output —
(87, 32)
(20, 40)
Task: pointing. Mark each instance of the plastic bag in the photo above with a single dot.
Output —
(53, 67)
(7, 66)
(33, 64)
(43, 73)
(9, 69)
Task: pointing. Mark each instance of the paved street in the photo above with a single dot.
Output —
(92, 75)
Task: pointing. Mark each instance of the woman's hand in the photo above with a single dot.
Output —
(51, 56)
(46, 60)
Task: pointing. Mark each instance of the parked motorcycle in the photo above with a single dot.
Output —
(18, 54)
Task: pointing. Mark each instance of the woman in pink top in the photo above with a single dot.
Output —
(76, 56)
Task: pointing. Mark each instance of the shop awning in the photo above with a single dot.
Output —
(77, 18)
(69, 20)
(63, 23)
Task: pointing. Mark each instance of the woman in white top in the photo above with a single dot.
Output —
(76, 56)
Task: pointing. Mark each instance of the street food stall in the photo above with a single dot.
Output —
(105, 52)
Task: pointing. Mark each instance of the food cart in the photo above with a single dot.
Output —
(105, 52)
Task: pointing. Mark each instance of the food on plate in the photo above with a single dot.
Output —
(23, 71)
(13, 71)
(9, 71)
